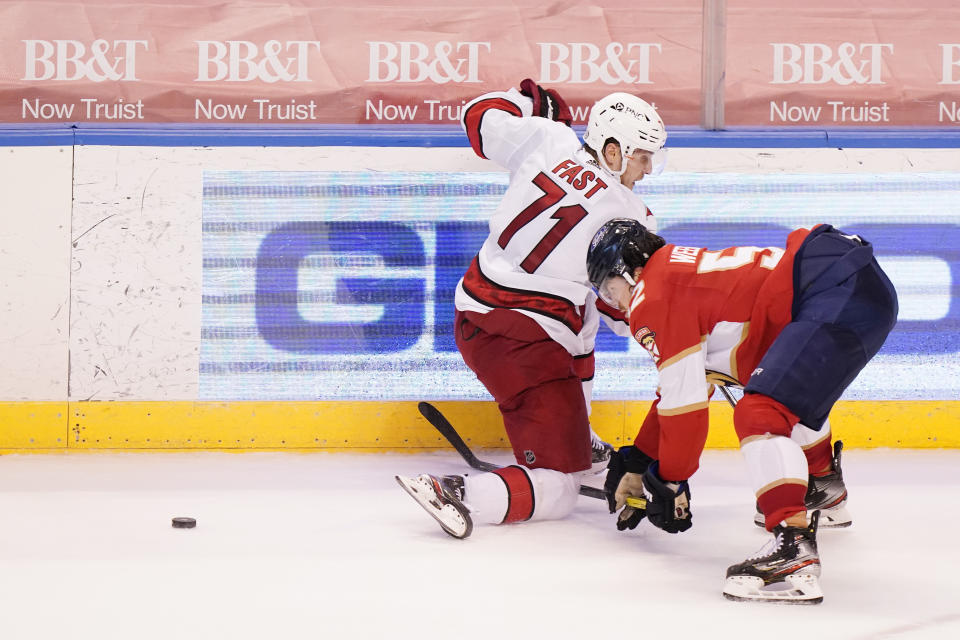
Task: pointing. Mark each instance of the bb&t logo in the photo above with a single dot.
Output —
(815, 63)
(73, 60)
(584, 62)
(416, 62)
(951, 64)
(243, 61)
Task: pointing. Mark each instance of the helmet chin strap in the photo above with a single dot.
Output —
(623, 162)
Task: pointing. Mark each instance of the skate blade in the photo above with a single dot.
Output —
(794, 589)
(596, 468)
(452, 520)
(836, 518)
(599, 466)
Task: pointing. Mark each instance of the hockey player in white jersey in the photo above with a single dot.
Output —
(526, 315)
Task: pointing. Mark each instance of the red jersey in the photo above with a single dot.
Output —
(698, 311)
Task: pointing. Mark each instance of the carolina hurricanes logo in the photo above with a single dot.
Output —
(647, 340)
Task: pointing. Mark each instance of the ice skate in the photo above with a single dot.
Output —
(827, 494)
(442, 498)
(600, 453)
(786, 570)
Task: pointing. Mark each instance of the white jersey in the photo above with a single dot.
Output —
(534, 260)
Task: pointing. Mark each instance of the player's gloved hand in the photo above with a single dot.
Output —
(629, 495)
(547, 103)
(624, 485)
(668, 503)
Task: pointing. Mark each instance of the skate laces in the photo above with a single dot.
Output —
(454, 485)
(595, 442)
(771, 546)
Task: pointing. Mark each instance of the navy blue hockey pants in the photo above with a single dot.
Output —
(844, 306)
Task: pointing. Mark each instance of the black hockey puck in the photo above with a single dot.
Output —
(184, 523)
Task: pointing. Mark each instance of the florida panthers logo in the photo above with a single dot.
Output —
(647, 340)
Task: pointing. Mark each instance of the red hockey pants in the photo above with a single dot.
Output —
(536, 383)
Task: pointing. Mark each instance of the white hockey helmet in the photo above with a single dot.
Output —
(629, 120)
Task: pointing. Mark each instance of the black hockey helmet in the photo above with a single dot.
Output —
(617, 249)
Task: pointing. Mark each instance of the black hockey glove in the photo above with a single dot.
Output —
(547, 103)
(668, 503)
(624, 485)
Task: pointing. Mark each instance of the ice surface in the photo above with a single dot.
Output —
(326, 545)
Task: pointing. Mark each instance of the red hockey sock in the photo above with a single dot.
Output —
(781, 502)
(520, 500)
(820, 458)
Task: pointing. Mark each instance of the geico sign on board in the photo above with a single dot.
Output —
(412, 61)
(70, 60)
(403, 284)
(819, 63)
(585, 62)
(245, 61)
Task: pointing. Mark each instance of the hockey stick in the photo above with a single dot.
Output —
(729, 396)
(441, 424)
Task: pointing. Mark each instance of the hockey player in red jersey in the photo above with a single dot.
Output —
(793, 326)
(526, 315)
